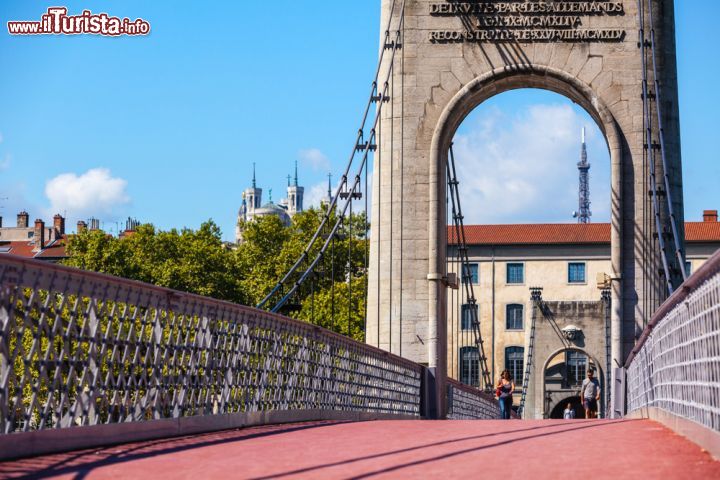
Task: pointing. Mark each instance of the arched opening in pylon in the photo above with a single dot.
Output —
(525, 160)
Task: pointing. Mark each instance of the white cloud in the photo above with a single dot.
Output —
(523, 169)
(314, 194)
(315, 159)
(94, 193)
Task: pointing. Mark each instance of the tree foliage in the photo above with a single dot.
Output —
(194, 261)
(197, 261)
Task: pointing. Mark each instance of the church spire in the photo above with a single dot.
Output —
(254, 182)
(295, 194)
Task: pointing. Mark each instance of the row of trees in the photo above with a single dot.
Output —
(198, 261)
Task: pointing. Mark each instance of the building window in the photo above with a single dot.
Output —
(576, 273)
(467, 318)
(470, 366)
(576, 368)
(473, 273)
(514, 358)
(688, 268)
(514, 317)
(515, 273)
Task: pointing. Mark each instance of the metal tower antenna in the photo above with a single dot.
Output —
(583, 214)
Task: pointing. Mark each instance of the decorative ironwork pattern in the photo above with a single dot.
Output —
(468, 403)
(676, 365)
(80, 348)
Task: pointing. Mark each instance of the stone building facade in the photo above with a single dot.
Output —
(571, 263)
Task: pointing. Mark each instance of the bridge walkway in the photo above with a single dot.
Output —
(536, 450)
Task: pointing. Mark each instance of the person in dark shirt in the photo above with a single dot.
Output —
(505, 389)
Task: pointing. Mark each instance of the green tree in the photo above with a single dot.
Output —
(260, 257)
(194, 261)
(333, 293)
(340, 308)
(197, 261)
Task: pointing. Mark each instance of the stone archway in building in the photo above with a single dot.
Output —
(575, 404)
(488, 86)
(552, 405)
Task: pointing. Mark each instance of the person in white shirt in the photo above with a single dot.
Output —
(590, 394)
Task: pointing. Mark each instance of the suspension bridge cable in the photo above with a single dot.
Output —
(334, 230)
(367, 146)
(467, 279)
(373, 98)
(377, 164)
(392, 199)
(312, 299)
(448, 269)
(661, 134)
(402, 176)
(537, 301)
(649, 146)
(350, 267)
(332, 286)
(366, 243)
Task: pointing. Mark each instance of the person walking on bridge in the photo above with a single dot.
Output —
(504, 391)
(590, 394)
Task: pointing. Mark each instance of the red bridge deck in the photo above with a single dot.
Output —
(396, 449)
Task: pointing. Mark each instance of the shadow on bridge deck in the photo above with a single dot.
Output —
(395, 449)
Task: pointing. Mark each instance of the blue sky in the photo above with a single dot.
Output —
(165, 128)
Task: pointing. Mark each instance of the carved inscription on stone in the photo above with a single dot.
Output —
(527, 21)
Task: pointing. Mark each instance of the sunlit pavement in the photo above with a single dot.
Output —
(552, 449)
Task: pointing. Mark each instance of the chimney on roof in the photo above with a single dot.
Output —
(39, 235)
(710, 216)
(94, 224)
(59, 225)
(0, 222)
(81, 226)
(23, 219)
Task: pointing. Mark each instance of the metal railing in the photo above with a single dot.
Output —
(79, 349)
(675, 366)
(469, 403)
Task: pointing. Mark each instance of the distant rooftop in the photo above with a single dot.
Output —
(566, 233)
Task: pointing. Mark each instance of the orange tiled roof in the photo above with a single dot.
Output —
(19, 248)
(565, 233)
(54, 249)
(702, 231)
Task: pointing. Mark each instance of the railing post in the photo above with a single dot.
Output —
(5, 364)
(433, 395)
(618, 389)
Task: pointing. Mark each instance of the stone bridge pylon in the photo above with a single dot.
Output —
(454, 56)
